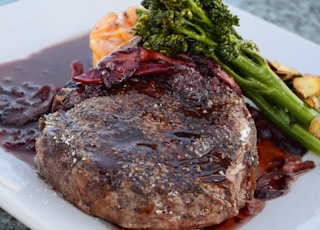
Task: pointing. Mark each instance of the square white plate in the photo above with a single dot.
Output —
(28, 26)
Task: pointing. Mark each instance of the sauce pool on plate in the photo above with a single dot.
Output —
(27, 83)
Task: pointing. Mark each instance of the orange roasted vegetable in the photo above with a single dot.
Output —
(111, 31)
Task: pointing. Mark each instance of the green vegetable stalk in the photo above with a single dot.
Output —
(207, 27)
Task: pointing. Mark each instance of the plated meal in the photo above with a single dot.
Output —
(154, 132)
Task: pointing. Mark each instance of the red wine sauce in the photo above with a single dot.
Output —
(20, 80)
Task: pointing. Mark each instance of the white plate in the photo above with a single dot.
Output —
(28, 26)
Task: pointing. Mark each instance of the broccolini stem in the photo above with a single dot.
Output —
(199, 36)
(274, 89)
(282, 120)
(270, 94)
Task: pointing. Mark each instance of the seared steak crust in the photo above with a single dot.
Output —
(170, 152)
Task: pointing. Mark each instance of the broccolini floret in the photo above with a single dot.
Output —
(208, 27)
(178, 26)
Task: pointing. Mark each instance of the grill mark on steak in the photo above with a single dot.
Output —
(174, 151)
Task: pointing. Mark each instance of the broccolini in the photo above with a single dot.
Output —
(208, 27)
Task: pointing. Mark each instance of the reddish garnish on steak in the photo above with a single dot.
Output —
(150, 149)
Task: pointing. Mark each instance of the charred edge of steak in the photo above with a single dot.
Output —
(174, 151)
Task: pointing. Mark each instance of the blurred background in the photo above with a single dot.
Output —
(300, 17)
(2, 2)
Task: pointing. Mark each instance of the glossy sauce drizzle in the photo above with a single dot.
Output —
(280, 158)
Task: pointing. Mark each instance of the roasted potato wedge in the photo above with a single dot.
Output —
(283, 71)
(307, 86)
(313, 102)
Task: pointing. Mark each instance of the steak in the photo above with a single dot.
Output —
(171, 149)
